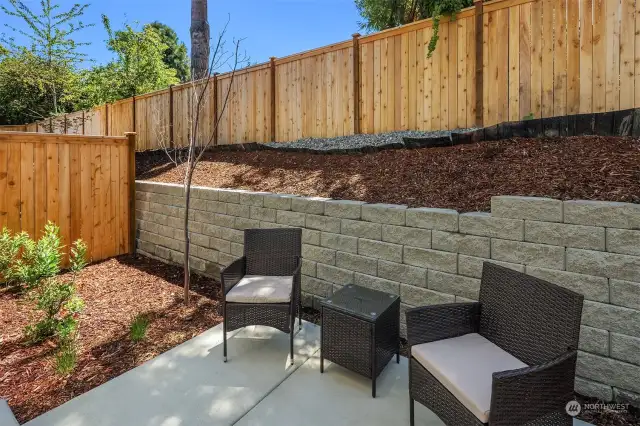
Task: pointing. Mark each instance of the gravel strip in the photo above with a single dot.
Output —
(359, 141)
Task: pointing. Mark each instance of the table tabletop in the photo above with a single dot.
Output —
(361, 302)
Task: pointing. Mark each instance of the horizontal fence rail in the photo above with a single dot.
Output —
(497, 61)
(83, 184)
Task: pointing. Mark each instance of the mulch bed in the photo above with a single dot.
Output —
(462, 177)
(114, 291)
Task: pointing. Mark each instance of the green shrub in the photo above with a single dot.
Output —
(58, 300)
(40, 259)
(66, 359)
(35, 265)
(9, 249)
(61, 306)
(138, 328)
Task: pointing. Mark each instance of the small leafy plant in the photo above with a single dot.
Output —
(529, 116)
(34, 266)
(40, 259)
(66, 359)
(139, 327)
(9, 249)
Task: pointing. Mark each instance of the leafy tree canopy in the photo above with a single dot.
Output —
(383, 14)
(175, 56)
(37, 77)
(137, 68)
(25, 82)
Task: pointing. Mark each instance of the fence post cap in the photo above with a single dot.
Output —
(130, 133)
(355, 35)
(272, 58)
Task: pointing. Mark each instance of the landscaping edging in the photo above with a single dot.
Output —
(432, 256)
(611, 123)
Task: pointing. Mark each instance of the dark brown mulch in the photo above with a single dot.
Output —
(462, 177)
(114, 291)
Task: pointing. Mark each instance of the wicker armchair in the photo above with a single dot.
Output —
(263, 286)
(508, 359)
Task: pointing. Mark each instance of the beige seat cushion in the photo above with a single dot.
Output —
(261, 289)
(464, 366)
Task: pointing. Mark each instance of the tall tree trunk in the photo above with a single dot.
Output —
(199, 39)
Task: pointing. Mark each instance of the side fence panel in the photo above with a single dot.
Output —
(77, 182)
(246, 117)
(315, 93)
(120, 117)
(16, 128)
(539, 58)
(152, 127)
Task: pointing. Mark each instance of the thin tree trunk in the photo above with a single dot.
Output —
(199, 39)
(187, 242)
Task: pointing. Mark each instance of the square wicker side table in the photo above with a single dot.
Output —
(360, 330)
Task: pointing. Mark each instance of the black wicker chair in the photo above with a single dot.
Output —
(533, 323)
(263, 286)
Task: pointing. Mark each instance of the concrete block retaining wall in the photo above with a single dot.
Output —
(430, 256)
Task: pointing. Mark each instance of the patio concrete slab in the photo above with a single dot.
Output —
(339, 397)
(190, 384)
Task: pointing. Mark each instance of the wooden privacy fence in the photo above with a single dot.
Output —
(497, 61)
(16, 128)
(85, 184)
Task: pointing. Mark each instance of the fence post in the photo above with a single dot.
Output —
(356, 83)
(479, 63)
(131, 136)
(106, 119)
(134, 113)
(65, 123)
(273, 98)
(215, 109)
(171, 140)
(83, 132)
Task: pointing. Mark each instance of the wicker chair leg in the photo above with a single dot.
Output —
(412, 419)
(224, 330)
(291, 343)
(224, 340)
(299, 313)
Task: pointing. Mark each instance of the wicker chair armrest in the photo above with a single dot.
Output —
(233, 273)
(436, 322)
(535, 392)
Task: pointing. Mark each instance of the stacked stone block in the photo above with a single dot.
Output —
(430, 256)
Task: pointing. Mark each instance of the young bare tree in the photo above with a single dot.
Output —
(202, 127)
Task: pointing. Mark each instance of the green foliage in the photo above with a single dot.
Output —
(138, 328)
(40, 259)
(37, 80)
(138, 66)
(35, 266)
(49, 30)
(43, 78)
(529, 116)
(66, 359)
(78, 256)
(175, 56)
(9, 249)
(26, 82)
(382, 14)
